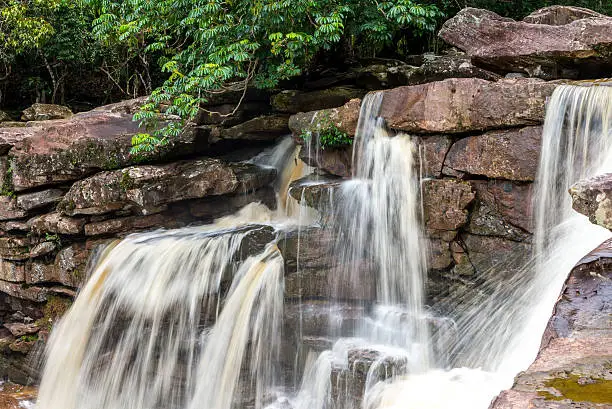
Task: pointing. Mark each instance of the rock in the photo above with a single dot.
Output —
(42, 249)
(381, 74)
(344, 118)
(18, 329)
(13, 272)
(487, 256)
(540, 50)
(148, 189)
(18, 290)
(511, 202)
(51, 153)
(9, 209)
(466, 105)
(560, 15)
(335, 161)
(4, 117)
(439, 256)
(36, 200)
(441, 67)
(510, 154)
(593, 198)
(293, 101)
(213, 207)
(128, 106)
(316, 191)
(12, 227)
(432, 152)
(262, 128)
(45, 112)
(56, 223)
(133, 224)
(226, 115)
(572, 369)
(14, 248)
(445, 202)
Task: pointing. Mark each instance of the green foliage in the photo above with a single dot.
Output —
(209, 47)
(29, 338)
(330, 137)
(7, 186)
(53, 238)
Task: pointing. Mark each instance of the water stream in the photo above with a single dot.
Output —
(192, 318)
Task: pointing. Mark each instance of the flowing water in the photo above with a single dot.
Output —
(192, 318)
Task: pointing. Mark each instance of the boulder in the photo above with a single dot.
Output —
(466, 104)
(36, 200)
(293, 101)
(509, 154)
(316, 191)
(445, 202)
(148, 189)
(441, 67)
(510, 202)
(541, 50)
(56, 223)
(335, 161)
(593, 198)
(262, 128)
(560, 15)
(45, 112)
(572, 369)
(9, 209)
(54, 152)
(344, 118)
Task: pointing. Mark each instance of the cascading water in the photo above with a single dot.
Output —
(191, 318)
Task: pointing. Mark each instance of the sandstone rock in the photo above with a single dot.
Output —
(316, 191)
(132, 224)
(147, 189)
(213, 207)
(128, 106)
(44, 112)
(510, 201)
(511, 154)
(53, 152)
(56, 223)
(560, 15)
(441, 67)
(593, 198)
(486, 221)
(18, 329)
(293, 101)
(439, 257)
(490, 256)
(226, 115)
(381, 74)
(12, 227)
(36, 200)
(541, 50)
(432, 152)
(9, 209)
(576, 347)
(262, 128)
(445, 202)
(18, 290)
(466, 105)
(344, 118)
(42, 249)
(13, 272)
(14, 248)
(336, 161)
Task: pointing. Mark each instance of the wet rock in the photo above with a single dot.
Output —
(314, 318)
(487, 221)
(439, 256)
(316, 191)
(445, 202)
(133, 224)
(593, 198)
(148, 189)
(572, 369)
(335, 161)
(56, 223)
(343, 118)
(293, 101)
(487, 256)
(465, 105)
(432, 152)
(9, 209)
(45, 112)
(53, 152)
(509, 201)
(214, 207)
(560, 15)
(36, 200)
(540, 50)
(509, 154)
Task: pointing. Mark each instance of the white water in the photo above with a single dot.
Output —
(141, 332)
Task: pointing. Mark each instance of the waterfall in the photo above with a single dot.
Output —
(500, 335)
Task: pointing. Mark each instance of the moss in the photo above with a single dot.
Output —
(126, 182)
(580, 389)
(29, 338)
(7, 186)
(54, 309)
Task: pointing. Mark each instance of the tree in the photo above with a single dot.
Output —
(207, 47)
